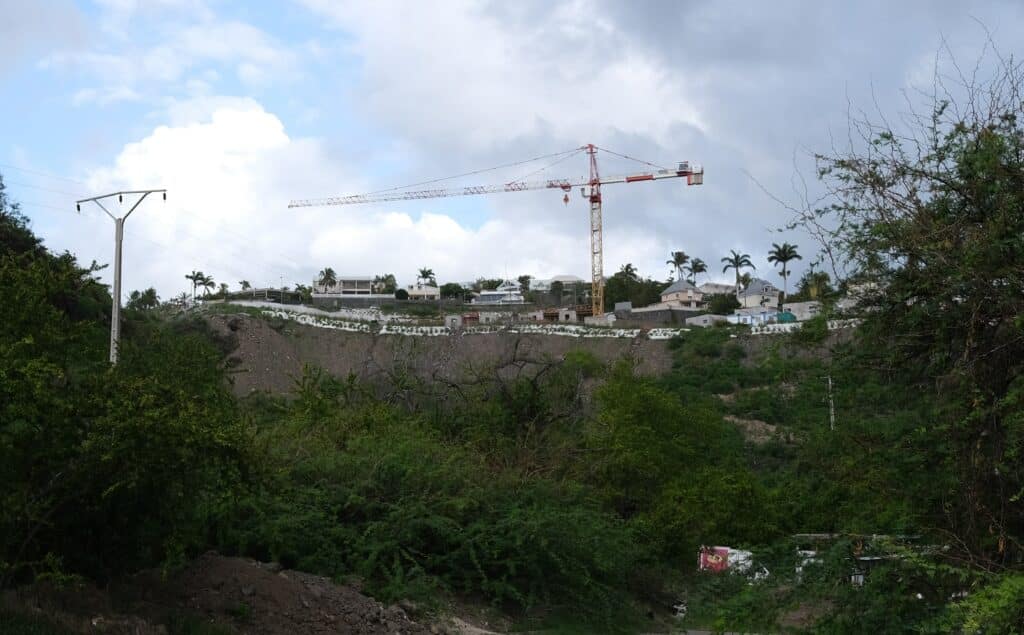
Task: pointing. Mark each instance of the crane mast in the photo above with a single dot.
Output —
(596, 236)
(590, 189)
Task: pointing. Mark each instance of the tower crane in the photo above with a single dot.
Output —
(590, 189)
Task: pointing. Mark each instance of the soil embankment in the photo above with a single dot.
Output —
(216, 594)
(271, 354)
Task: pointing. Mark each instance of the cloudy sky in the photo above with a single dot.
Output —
(237, 108)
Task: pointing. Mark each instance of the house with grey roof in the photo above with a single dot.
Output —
(759, 293)
(682, 294)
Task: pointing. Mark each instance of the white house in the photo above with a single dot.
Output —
(759, 293)
(754, 316)
(506, 293)
(346, 285)
(706, 320)
(545, 285)
(717, 288)
(803, 310)
(423, 292)
(682, 294)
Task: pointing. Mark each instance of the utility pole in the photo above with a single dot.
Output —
(115, 314)
(831, 407)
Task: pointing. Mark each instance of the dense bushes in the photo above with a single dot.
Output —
(105, 469)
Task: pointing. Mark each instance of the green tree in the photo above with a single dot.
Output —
(143, 300)
(932, 214)
(524, 283)
(196, 278)
(697, 266)
(813, 285)
(677, 260)
(722, 303)
(305, 293)
(327, 278)
(737, 262)
(401, 294)
(452, 290)
(385, 283)
(426, 275)
(207, 283)
(782, 255)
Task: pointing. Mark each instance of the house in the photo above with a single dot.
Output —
(716, 288)
(802, 310)
(753, 316)
(706, 320)
(506, 293)
(682, 294)
(347, 285)
(759, 293)
(544, 286)
(423, 292)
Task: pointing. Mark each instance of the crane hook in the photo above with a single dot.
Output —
(565, 199)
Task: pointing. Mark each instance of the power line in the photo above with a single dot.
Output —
(44, 174)
(44, 189)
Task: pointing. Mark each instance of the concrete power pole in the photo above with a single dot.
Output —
(115, 316)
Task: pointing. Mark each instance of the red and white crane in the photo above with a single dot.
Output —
(590, 189)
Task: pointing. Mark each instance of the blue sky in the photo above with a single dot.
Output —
(237, 108)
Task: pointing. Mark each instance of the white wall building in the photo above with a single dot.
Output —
(423, 292)
(545, 285)
(759, 293)
(803, 310)
(346, 285)
(682, 294)
(706, 320)
(717, 288)
(506, 293)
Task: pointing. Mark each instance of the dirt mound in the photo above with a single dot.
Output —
(754, 430)
(232, 595)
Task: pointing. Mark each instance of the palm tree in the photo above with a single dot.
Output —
(245, 285)
(524, 282)
(629, 270)
(737, 262)
(385, 283)
(426, 275)
(327, 278)
(196, 278)
(207, 283)
(223, 290)
(781, 255)
(678, 260)
(696, 266)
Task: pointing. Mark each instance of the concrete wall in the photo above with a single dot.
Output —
(268, 358)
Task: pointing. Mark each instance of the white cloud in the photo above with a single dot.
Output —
(183, 47)
(452, 74)
(230, 169)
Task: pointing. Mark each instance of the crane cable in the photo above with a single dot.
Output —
(457, 176)
(626, 156)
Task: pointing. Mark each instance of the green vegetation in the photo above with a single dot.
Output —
(577, 494)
